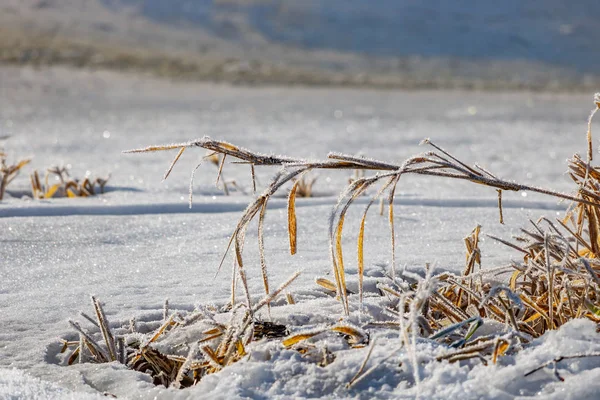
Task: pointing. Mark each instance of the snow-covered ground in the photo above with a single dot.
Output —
(139, 244)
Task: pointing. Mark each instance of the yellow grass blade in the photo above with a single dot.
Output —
(534, 317)
(290, 298)
(513, 280)
(52, 190)
(161, 330)
(340, 260)
(212, 357)
(358, 338)
(499, 350)
(212, 331)
(240, 348)
(528, 301)
(326, 283)
(228, 146)
(73, 357)
(21, 164)
(292, 340)
(360, 256)
(157, 148)
(292, 217)
(209, 338)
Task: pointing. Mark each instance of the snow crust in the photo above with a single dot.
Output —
(139, 243)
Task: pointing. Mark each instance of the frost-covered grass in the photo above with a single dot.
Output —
(138, 243)
(556, 282)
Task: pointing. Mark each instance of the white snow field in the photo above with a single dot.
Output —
(139, 244)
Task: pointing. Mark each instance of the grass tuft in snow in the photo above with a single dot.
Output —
(220, 344)
(8, 172)
(66, 186)
(557, 280)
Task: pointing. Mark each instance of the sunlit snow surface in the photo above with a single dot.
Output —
(139, 244)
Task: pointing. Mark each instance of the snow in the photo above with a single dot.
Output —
(139, 243)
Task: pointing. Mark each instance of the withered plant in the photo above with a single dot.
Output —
(8, 172)
(557, 280)
(66, 186)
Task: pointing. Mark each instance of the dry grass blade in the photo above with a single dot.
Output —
(221, 164)
(361, 256)
(36, 187)
(261, 247)
(391, 222)
(356, 337)
(499, 349)
(361, 234)
(550, 270)
(472, 350)
(354, 190)
(159, 331)
(52, 190)
(268, 299)
(9, 172)
(105, 328)
(559, 359)
(290, 298)
(185, 366)
(362, 366)
(299, 337)
(327, 284)
(168, 172)
(338, 265)
(291, 208)
(500, 206)
(253, 174)
(589, 130)
(159, 148)
(94, 347)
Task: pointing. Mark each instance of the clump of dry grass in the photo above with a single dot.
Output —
(66, 186)
(557, 280)
(303, 186)
(221, 344)
(8, 172)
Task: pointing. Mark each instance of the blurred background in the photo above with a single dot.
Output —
(511, 44)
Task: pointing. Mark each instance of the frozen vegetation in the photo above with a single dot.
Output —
(139, 243)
